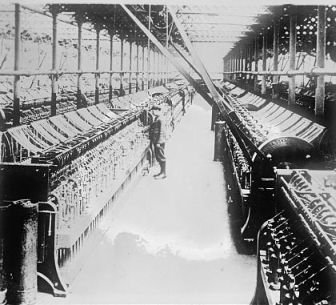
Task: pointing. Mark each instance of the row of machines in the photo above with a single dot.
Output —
(297, 246)
(35, 101)
(285, 194)
(74, 166)
(264, 136)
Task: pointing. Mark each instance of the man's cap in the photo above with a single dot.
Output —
(156, 108)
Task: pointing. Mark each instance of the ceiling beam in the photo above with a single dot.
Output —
(217, 14)
(186, 60)
(223, 105)
(216, 41)
(215, 23)
(171, 58)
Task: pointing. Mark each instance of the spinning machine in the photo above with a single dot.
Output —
(74, 165)
(297, 246)
(259, 137)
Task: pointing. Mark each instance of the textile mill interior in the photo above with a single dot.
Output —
(167, 153)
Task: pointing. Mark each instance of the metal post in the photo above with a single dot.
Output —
(16, 102)
(137, 67)
(97, 65)
(156, 74)
(241, 67)
(264, 58)
(238, 60)
(246, 64)
(320, 60)
(154, 67)
(251, 60)
(275, 86)
(234, 64)
(54, 64)
(111, 66)
(148, 48)
(238, 65)
(232, 67)
(255, 85)
(4, 233)
(167, 42)
(292, 55)
(130, 68)
(160, 68)
(121, 64)
(219, 141)
(79, 65)
(214, 115)
(143, 69)
(20, 259)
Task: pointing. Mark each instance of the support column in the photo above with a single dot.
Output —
(20, 259)
(54, 64)
(79, 66)
(167, 43)
(154, 68)
(97, 65)
(148, 68)
(292, 55)
(214, 115)
(320, 60)
(143, 69)
(264, 62)
(111, 66)
(121, 65)
(148, 48)
(219, 141)
(232, 75)
(4, 233)
(250, 69)
(236, 64)
(246, 65)
(275, 85)
(130, 69)
(16, 97)
(137, 67)
(241, 68)
(160, 69)
(255, 85)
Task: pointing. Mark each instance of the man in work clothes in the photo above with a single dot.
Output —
(182, 95)
(157, 136)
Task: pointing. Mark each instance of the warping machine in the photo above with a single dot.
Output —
(297, 246)
(74, 165)
(261, 136)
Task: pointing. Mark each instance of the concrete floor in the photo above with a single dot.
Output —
(170, 241)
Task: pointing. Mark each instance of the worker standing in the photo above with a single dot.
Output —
(182, 95)
(157, 136)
